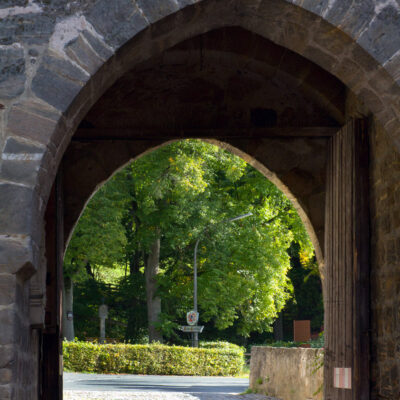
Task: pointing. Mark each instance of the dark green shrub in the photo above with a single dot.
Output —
(154, 359)
(281, 343)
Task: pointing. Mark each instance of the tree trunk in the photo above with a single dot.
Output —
(68, 303)
(153, 302)
(278, 327)
(137, 313)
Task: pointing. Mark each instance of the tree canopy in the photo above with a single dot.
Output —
(177, 194)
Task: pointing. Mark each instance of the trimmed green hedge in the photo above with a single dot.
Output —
(220, 345)
(154, 359)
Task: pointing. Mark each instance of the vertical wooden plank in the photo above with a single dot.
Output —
(347, 262)
(362, 263)
(336, 232)
(328, 274)
(51, 374)
(347, 188)
(60, 279)
(339, 263)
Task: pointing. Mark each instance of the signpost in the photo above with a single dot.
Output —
(191, 328)
(192, 317)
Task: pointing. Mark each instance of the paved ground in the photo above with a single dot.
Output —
(77, 395)
(145, 383)
(135, 387)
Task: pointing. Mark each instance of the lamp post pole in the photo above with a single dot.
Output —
(195, 335)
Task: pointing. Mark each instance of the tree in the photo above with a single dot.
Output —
(242, 265)
(98, 242)
(184, 191)
(163, 183)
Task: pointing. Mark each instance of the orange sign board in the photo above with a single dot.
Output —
(301, 331)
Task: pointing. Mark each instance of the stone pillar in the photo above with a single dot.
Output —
(103, 314)
(17, 352)
(8, 308)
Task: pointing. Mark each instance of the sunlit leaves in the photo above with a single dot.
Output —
(185, 191)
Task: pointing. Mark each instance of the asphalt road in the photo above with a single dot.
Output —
(154, 383)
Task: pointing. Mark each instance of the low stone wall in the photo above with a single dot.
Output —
(287, 373)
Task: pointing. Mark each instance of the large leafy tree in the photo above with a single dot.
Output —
(187, 191)
(243, 265)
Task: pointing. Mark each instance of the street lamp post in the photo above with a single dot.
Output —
(195, 335)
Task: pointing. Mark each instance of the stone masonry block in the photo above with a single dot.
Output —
(12, 3)
(6, 392)
(333, 40)
(7, 354)
(316, 7)
(24, 172)
(7, 317)
(382, 38)
(58, 82)
(101, 49)
(5, 376)
(30, 28)
(81, 52)
(371, 99)
(17, 259)
(32, 120)
(14, 252)
(393, 67)
(7, 288)
(157, 9)
(65, 68)
(21, 161)
(118, 21)
(15, 209)
(320, 57)
(16, 148)
(352, 16)
(12, 71)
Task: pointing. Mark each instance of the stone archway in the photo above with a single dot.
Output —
(65, 67)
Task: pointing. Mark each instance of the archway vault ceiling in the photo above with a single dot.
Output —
(74, 54)
(227, 84)
(216, 80)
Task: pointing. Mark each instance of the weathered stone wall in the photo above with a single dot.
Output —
(19, 344)
(57, 57)
(385, 257)
(287, 373)
(385, 272)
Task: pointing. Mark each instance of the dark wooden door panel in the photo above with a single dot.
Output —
(346, 280)
(51, 387)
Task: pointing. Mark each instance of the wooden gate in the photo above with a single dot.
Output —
(346, 280)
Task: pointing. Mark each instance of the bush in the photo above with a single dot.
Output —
(153, 359)
(220, 345)
(319, 342)
(281, 343)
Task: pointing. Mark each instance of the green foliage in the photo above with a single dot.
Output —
(318, 342)
(154, 359)
(281, 343)
(314, 343)
(100, 223)
(307, 300)
(179, 193)
(220, 345)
